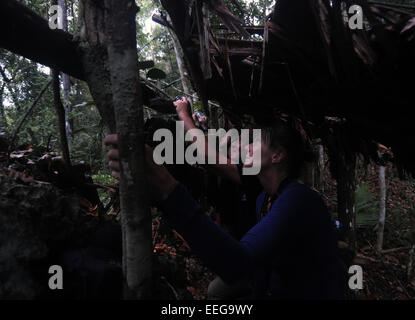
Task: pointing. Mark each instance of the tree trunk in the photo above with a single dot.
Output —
(95, 58)
(178, 12)
(411, 263)
(60, 111)
(345, 201)
(65, 78)
(410, 267)
(345, 163)
(180, 64)
(126, 90)
(62, 4)
(382, 208)
(2, 113)
(319, 169)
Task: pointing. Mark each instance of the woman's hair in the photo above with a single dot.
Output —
(284, 136)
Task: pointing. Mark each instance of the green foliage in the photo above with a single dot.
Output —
(26, 80)
(398, 221)
(106, 179)
(197, 106)
(88, 133)
(252, 11)
(366, 206)
(39, 6)
(103, 178)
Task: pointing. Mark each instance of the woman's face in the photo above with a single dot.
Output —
(254, 149)
(269, 157)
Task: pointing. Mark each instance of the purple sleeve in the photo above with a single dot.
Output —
(230, 259)
(219, 251)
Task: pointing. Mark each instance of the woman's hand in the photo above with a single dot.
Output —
(113, 155)
(160, 181)
(182, 108)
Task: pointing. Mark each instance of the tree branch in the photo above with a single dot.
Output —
(25, 33)
(27, 113)
(4, 76)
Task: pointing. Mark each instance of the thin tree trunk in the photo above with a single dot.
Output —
(264, 47)
(411, 263)
(126, 90)
(59, 107)
(2, 113)
(180, 63)
(345, 163)
(67, 105)
(320, 166)
(175, 10)
(65, 78)
(345, 200)
(382, 208)
(60, 111)
(410, 267)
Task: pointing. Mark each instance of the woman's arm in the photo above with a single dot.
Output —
(232, 260)
(227, 170)
(222, 253)
(225, 255)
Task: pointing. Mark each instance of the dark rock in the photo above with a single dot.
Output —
(37, 221)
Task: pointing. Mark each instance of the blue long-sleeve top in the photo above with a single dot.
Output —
(290, 253)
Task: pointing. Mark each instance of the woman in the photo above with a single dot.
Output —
(289, 254)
